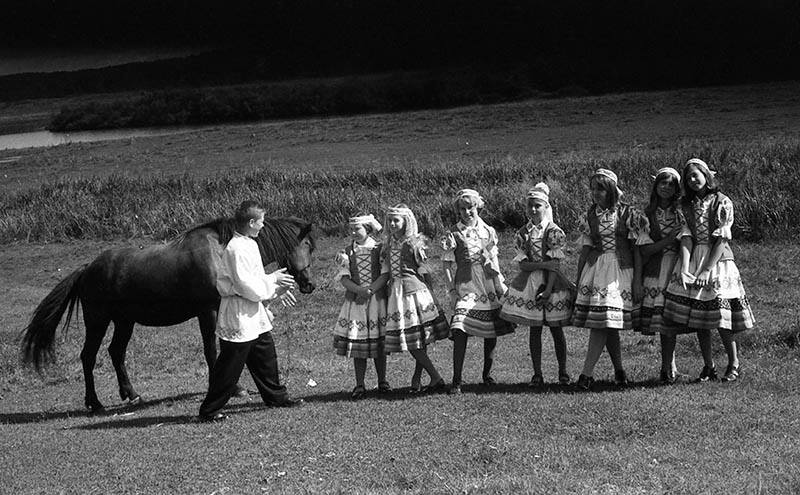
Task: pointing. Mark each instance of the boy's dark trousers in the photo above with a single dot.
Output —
(261, 359)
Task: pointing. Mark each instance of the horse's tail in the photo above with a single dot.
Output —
(38, 336)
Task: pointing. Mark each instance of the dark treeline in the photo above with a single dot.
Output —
(599, 46)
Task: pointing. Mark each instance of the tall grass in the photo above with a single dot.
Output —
(760, 176)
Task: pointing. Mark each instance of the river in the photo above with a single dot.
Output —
(39, 139)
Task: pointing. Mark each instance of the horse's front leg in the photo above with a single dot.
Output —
(117, 350)
(208, 324)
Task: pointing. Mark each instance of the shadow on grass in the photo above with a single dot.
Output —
(112, 411)
(404, 393)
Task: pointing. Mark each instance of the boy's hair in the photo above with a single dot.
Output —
(610, 187)
(247, 210)
(712, 186)
(674, 200)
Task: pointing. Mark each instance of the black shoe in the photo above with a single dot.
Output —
(489, 381)
(455, 389)
(436, 388)
(211, 418)
(620, 378)
(289, 403)
(537, 381)
(358, 392)
(731, 374)
(667, 378)
(709, 374)
(584, 382)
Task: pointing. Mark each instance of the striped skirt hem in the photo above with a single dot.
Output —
(417, 337)
(362, 348)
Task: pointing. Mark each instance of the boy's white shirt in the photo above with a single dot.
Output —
(243, 285)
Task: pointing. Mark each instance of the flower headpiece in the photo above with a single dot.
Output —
(610, 175)
(365, 220)
(470, 193)
(670, 171)
(540, 191)
(411, 228)
(703, 166)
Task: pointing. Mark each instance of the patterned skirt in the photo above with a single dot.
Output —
(412, 320)
(522, 308)
(604, 298)
(477, 310)
(721, 303)
(648, 317)
(359, 332)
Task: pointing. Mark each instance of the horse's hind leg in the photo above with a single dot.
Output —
(117, 349)
(96, 326)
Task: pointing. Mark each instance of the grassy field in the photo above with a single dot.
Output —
(687, 438)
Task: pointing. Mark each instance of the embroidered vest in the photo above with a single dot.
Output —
(624, 248)
(409, 275)
(652, 266)
(691, 221)
(463, 259)
(355, 276)
(521, 279)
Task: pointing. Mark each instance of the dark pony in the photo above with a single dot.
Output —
(158, 286)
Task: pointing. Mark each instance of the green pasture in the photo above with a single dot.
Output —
(686, 438)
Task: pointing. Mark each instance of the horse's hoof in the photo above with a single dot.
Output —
(95, 408)
(241, 392)
(136, 401)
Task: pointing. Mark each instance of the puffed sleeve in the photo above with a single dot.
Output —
(421, 255)
(724, 219)
(490, 250)
(519, 248)
(556, 243)
(638, 226)
(585, 231)
(343, 264)
(448, 243)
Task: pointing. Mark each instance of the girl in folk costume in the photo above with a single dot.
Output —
(358, 332)
(540, 295)
(472, 272)
(609, 274)
(706, 291)
(413, 319)
(665, 223)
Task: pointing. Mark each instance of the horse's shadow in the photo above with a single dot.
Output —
(112, 411)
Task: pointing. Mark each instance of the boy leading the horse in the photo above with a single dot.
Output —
(244, 324)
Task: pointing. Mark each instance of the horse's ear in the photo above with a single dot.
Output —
(305, 230)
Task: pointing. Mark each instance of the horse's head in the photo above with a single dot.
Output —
(299, 260)
(290, 243)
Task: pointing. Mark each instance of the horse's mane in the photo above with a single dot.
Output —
(281, 235)
(275, 240)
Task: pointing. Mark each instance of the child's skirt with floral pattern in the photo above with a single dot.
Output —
(721, 303)
(359, 331)
(412, 320)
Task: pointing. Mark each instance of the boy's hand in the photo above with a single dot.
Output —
(287, 299)
(283, 279)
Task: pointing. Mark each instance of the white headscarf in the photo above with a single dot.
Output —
(366, 220)
(610, 175)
